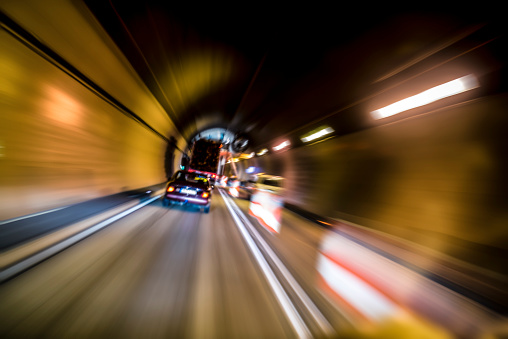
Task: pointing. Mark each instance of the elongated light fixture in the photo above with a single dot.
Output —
(282, 145)
(262, 152)
(447, 89)
(318, 134)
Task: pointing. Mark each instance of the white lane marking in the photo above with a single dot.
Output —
(318, 317)
(31, 215)
(52, 250)
(294, 318)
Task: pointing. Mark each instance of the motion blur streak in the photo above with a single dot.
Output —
(155, 273)
(363, 297)
(52, 250)
(377, 287)
(62, 142)
(282, 145)
(322, 132)
(266, 207)
(30, 215)
(450, 88)
(262, 152)
(296, 321)
(99, 99)
(323, 324)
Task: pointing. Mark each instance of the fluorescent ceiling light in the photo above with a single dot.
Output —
(282, 145)
(262, 152)
(320, 133)
(246, 155)
(447, 89)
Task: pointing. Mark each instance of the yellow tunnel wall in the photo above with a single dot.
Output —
(60, 142)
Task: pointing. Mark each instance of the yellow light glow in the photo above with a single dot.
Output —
(262, 152)
(247, 156)
(447, 89)
(282, 145)
(63, 108)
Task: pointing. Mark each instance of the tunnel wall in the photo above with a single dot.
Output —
(61, 142)
(438, 180)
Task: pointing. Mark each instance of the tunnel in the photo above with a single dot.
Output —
(101, 102)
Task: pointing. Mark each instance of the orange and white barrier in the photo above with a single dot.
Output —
(266, 207)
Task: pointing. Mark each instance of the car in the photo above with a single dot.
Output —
(212, 177)
(241, 189)
(188, 188)
(245, 189)
(271, 183)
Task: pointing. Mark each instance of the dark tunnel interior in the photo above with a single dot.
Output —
(387, 127)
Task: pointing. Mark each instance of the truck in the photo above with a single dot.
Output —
(205, 157)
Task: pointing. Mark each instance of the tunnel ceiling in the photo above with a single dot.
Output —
(269, 72)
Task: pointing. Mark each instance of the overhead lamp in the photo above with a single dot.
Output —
(447, 89)
(282, 145)
(262, 152)
(321, 132)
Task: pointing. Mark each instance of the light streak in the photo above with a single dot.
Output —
(282, 145)
(447, 89)
(262, 152)
(322, 132)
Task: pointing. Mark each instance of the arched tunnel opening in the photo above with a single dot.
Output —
(361, 178)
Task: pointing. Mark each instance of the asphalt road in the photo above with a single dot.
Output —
(178, 273)
(157, 273)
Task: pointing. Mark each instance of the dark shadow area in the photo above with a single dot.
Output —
(18, 232)
(184, 207)
(169, 157)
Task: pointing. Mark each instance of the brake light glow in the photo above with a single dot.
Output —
(205, 194)
(171, 189)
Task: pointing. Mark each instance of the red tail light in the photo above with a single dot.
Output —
(205, 194)
(171, 189)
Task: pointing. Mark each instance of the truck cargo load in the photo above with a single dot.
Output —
(205, 156)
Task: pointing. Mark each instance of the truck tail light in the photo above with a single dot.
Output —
(171, 189)
(205, 194)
